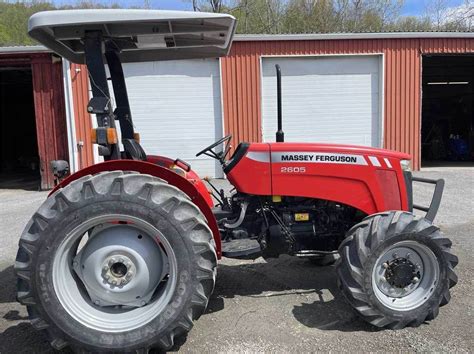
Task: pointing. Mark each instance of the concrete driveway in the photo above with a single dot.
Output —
(283, 305)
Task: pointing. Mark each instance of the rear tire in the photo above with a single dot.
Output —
(396, 269)
(142, 202)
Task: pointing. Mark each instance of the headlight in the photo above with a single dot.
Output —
(405, 165)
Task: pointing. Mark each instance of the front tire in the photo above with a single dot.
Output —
(396, 269)
(117, 261)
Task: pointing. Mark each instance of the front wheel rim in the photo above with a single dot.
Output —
(418, 276)
(76, 297)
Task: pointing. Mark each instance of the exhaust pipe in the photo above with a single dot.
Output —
(280, 136)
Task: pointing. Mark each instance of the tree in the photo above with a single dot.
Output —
(387, 11)
(276, 16)
(436, 10)
(460, 17)
(208, 5)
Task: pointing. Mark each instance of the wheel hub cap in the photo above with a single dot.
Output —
(401, 273)
(119, 266)
(118, 270)
(405, 275)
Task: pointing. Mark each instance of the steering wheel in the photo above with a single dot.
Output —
(218, 156)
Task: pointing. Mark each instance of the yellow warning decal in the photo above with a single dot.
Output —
(302, 217)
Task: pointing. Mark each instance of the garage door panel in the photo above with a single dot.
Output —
(326, 99)
(176, 108)
(326, 65)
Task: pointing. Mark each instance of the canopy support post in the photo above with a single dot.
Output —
(100, 104)
(122, 111)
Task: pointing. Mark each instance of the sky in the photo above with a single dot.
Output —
(417, 7)
(411, 7)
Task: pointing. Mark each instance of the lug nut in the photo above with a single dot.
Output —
(105, 268)
(385, 265)
(111, 261)
(97, 302)
(129, 274)
(120, 260)
(128, 264)
(395, 255)
(114, 282)
(415, 280)
(408, 256)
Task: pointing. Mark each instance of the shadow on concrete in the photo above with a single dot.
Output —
(288, 276)
(23, 338)
(7, 286)
(18, 337)
(284, 276)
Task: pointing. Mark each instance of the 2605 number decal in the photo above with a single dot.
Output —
(293, 169)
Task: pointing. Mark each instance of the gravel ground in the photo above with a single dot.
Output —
(281, 305)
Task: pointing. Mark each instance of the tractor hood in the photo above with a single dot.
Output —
(139, 35)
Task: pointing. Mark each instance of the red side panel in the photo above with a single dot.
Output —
(166, 174)
(368, 179)
(252, 174)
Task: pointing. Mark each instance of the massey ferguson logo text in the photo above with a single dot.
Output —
(318, 158)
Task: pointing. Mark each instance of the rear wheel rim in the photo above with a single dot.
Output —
(405, 275)
(99, 311)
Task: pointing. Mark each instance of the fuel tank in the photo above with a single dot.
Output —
(366, 178)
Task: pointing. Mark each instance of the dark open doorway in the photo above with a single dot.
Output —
(19, 163)
(447, 132)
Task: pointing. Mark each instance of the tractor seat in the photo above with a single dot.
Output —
(133, 150)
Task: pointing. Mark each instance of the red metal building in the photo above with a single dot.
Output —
(403, 54)
(410, 62)
(32, 97)
(422, 96)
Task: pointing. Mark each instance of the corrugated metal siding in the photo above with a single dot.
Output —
(80, 89)
(402, 86)
(50, 115)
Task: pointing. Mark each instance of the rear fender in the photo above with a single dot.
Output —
(193, 191)
(190, 175)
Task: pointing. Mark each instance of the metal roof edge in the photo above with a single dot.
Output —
(335, 36)
(24, 49)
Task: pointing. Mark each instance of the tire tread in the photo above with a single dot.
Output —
(363, 239)
(157, 194)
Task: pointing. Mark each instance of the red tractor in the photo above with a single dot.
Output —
(122, 255)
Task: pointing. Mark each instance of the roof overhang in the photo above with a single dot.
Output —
(140, 35)
(340, 36)
(30, 49)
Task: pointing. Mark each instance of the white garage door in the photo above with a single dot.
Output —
(325, 99)
(176, 108)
